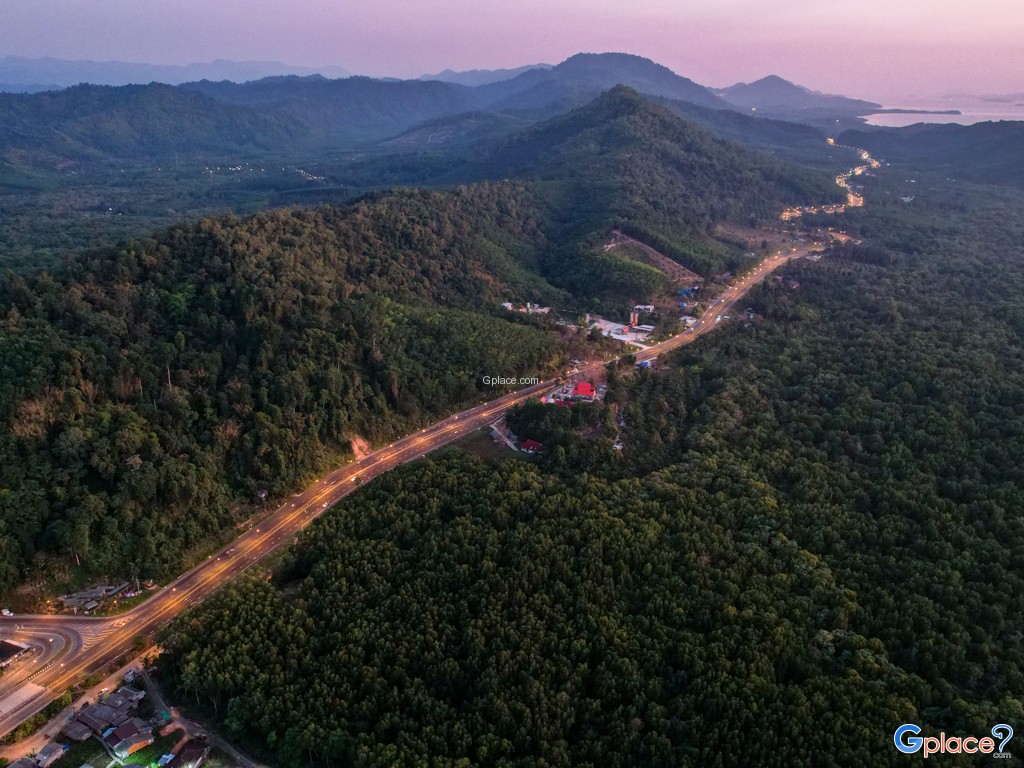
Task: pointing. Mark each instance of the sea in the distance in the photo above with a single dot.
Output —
(973, 110)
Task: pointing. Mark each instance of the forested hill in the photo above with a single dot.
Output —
(626, 161)
(103, 123)
(146, 390)
(582, 77)
(271, 118)
(760, 133)
(340, 112)
(623, 139)
(777, 97)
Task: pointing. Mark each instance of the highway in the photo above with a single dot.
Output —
(714, 315)
(68, 648)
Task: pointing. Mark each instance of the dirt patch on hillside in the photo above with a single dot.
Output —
(360, 447)
(634, 249)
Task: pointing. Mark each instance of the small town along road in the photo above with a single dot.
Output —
(71, 647)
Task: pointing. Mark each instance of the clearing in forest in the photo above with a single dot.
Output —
(634, 249)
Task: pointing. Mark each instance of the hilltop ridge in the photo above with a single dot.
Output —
(778, 97)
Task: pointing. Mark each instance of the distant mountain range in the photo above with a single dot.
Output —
(20, 74)
(97, 123)
(301, 113)
(534, 87)
(363, 109)
(288, 115)
(474, 77)
(355, 109)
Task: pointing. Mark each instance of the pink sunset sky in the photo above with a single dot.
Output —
(877, 49)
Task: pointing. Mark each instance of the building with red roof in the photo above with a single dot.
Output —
(532, 446)
(584, 390)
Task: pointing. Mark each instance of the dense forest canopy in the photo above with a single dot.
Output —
(812, 534)
(148, 388)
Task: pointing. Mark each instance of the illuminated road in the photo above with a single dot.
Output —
(47, 645)
(71, 647)
(853, 199)
(23, 687)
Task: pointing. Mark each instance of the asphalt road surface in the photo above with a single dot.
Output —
(67, 648)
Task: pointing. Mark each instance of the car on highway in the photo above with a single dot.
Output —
(6, 612)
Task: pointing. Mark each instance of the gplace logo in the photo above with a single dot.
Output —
(909, 742)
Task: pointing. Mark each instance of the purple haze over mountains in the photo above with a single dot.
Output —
(874, 49)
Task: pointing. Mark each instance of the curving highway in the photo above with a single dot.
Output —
(67, 648)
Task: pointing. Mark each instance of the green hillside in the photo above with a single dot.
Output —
(346, 111)
(148, 389)
(624, 161)
(790, 140)
(133, 123)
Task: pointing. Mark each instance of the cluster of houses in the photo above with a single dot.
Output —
(115, 723)
(192, 755)
(632, 333)
(567, 394)
(580, 391)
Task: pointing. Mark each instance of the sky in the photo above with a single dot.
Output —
(875, 49)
